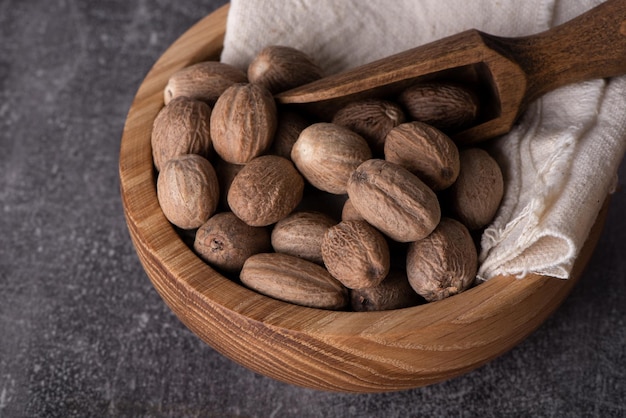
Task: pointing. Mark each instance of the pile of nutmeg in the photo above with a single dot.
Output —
(240, 173)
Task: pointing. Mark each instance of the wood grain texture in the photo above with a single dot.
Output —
(336, 351)
(509, 73)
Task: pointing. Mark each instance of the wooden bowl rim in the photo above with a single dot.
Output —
(200, 287)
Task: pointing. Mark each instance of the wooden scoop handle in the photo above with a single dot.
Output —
(591, 46)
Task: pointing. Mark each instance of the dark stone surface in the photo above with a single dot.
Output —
(83, 332)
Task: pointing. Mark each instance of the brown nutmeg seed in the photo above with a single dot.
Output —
(243, 123)
(181, 127)
(372, 119)
(226, 242)
(394, 292)
(394, 200)
(356, 254)
(301, 234)
(295, 280)
(266, 190)
(279, 68)
(188, 191)
(326, 154)
(425, 151)
(444, 263)
(204, 81)
(446, 106)
(478, 191)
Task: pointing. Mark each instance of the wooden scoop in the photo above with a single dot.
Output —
(508, 73)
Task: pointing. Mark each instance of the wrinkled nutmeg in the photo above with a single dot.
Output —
(226, 242)
(279, 68)
(301, 234)
(204, 81)
(290, 125)
(356, 254)
(181, 127)
(188, 191)
(394, 292)
(372, 119)
(266, 190)
(326, 154)
(446, 106)
(243, 123)
(425, 151)
(444, 263)
(394, 200)
(478, 191)
(295, 280)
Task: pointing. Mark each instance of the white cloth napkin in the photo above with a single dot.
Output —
(559, 162)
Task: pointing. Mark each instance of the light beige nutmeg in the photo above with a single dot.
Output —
(226, 242)
(204, 81)
(181, 127)
(266, 190)
(356, 254)
(476, 195)
(394, 200)
(301, 234)
(372, 119)
(188, 191)
(279, 68)
(243, 123)
(295, 280)
(447, 106)
(444, 263)
(326, 154)
(425, 151)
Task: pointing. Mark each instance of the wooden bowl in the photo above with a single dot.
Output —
(336, 351)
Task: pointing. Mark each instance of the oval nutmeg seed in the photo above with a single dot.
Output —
(188, 191)
(394, 292)
(444, 263)
(290, 125)
(243, 123)
(446, 106)
(226, 242)
(326, 154)
(356, 254)
(425, 151)
(372, 119)
(204, 81)
(478, 191)
(181, 127)
(266, 190)
(279, 68)
(349, 212)
(301, 233)
(295, 280)
(394, 200)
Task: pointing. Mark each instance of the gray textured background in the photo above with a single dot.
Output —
(82, 331)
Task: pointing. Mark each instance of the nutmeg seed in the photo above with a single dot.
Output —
(204, 81)
(326, 154)
(295, 280)
(301, 234)
(356, 254)
(279, 68)
(444, 263)
(478, 191)
(226, 242)
(372, 119)
(394, 200)
(394, 292)
(446, 106)
(181, 127)
(243, 123)
(266, 190)
(188, 191)
(425, 151)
